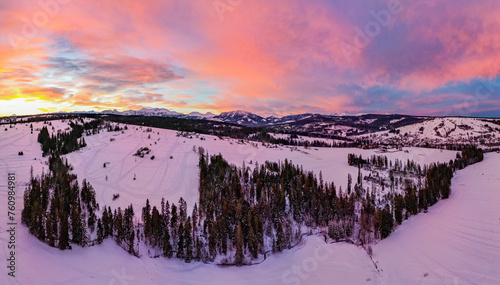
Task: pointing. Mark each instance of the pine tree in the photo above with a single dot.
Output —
(253, 245)
(131, 239)
(188, 241)
(100, 231)
(222, 233)
(182, 210)
(63, 232)
(166, 216)
(55, 225)
(239, 258)
(26, 212)
(111, 221)
(422, 199)
(398, 208)
(180, 243)
(78, 232)
(387, 222)
(174, 226)
(91, 221)
(212, 240)
(49, 231)
(37, 221)
(146, 218)
(167, 246)
(195, 219)
(105, 223)
(118, 226)
(280, 238)
(199, 246)
(156, 226)
(349, 183)
(128, 228)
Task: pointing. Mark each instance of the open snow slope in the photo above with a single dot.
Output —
(445, 130)
(177, 177)
(157, 178)
(458, 128)
(313, 263)
(456, 242)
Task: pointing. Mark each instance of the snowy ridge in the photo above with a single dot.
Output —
(162, 112)
(443, 130)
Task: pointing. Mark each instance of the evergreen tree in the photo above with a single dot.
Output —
(212, 240)
(166, 215)
(111, 225)
(91, 221)
(411, 199)
(182, 210)
(174, 225)
(239, 258)
(195, 219)
(199, 246)
(131, 238)
(167, 246)
(105, 223)
(280, 238)
(387, 222)
(349, 183)
(156, 227)
(49, 231)
(100, 231)
(422, 199)
(253, 244)
(128, 228)
(398, 208)
(37, 221)
(146, 218)
(188, 241)
(63, 232)
(118, 226)
(180, 243)
(78, 231)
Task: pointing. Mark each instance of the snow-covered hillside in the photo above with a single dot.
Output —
(449, 130)
(177, 177)
(145, 112)
(456, 242)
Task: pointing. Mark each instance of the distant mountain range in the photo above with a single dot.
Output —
(336, 126)
(388, 128)
(245, 118)
(161, 112)
(307, 122)
(238, 117)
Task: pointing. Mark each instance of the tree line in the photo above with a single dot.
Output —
(66, 142)
(381, 219)
(56, 209)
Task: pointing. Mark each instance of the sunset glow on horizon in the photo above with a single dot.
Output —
(267, 57)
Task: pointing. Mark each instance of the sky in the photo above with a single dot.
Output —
(426, 57)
